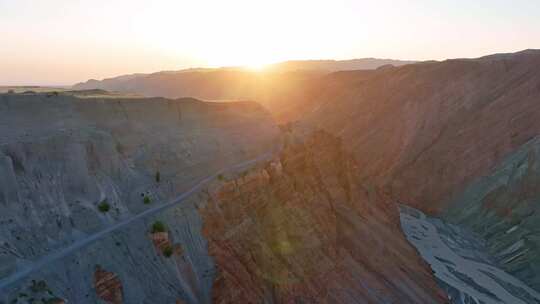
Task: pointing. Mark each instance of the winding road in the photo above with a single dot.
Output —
(45, 260)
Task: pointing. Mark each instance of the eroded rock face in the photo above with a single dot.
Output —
(304, 230)
(426, 130)
(62, 157)
(503, 207)
(108, 286)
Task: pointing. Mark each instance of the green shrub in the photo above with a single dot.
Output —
(221, 177)
(158, 226)
(104, 206)
(167, 251)
(52, 301)
(146, 200)
(38, 286)
(158, 177)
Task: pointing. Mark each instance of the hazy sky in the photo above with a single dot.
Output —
(66, 41)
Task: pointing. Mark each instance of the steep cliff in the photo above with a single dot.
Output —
(103, 201)
(83, 180)
(303, 229)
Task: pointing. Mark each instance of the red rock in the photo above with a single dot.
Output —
(160, 240)
(425, 131)
(108, 286)
(311, 232)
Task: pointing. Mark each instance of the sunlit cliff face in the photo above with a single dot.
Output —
(302, 229)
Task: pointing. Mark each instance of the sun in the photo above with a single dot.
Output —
(257, 67)
(257, 62)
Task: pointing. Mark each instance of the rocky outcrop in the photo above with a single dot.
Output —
(108, 286)
(302, 229)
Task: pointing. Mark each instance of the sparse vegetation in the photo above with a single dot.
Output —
(158, 177)
(119, 148)
(51, 94)
(104, 206)
(167, 251)
(221, 177)
(52, 301)
(158, 226)
(147, 200)
(39, 286)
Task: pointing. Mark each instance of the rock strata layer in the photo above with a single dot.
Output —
(108, 286)
(303, 229)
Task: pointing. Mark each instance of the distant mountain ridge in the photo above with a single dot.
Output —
(134, 83)
(285, 66)
(338, 65)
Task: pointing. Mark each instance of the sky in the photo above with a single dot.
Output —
(61, 42)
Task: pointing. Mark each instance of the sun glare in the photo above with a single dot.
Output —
(257, 67)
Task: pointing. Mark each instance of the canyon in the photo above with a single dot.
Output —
(414, 183)
(111, 199)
